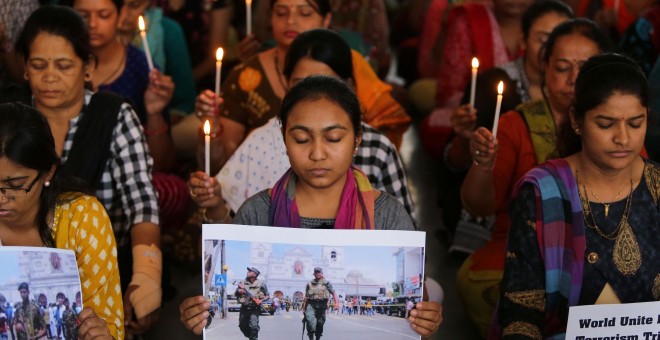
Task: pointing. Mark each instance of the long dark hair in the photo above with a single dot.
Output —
(26, 139)
(322, 45)
(599, 78)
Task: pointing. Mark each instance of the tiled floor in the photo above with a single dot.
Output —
(423, 183)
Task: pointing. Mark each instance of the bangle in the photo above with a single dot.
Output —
(480, 167)
(205, 219)
(160, 131)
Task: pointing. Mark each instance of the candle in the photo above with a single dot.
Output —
(500, 90)
(145, 43)
(207, 148)
(248, 19)
(219, 53)
(473, 87)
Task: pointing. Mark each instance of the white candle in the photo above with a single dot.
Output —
(207, 148)
(145, 43)
(248, 19)
(473, 86)
(219, 53)
(498, 107)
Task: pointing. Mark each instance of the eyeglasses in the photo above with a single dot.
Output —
(14, 193)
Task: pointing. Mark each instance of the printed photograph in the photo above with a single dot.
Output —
(311, 284)
(40, 295)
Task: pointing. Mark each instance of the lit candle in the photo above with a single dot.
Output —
(207, 148)
(145, 43)
(498, 107)
(473, 87)
(219, 53)
(248, 19)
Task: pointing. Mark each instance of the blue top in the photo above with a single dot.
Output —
(133, 82)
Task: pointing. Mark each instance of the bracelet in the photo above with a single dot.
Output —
(480, 167)
(160, 131)
(205, 219)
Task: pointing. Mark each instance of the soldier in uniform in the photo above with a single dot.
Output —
(28, 320)
(250, 293)
(317, 294)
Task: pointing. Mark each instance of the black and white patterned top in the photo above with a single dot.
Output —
(126, 188)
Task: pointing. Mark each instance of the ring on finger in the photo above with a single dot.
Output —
(476, 153)
(199, 113)
(192, 193)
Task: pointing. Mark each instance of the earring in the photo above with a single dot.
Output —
(25, 75)
(47, 183)
(577, 131)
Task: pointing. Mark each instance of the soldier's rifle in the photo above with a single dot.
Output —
(247, 293)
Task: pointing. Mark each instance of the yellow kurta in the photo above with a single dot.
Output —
(82, 225)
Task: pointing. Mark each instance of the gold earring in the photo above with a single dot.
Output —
(578, 132)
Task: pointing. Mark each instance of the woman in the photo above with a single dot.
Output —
(40, 206)
(253, 91)
(123, 69)
(641, 40)
(523, 80)
(318, 52)
(603, 233)
(321, 127)
(166, 41)
(525, 138)
(109, 152)
(492, 33)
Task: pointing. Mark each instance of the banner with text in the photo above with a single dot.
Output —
(633, 321)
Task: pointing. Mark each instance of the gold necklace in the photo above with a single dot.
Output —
(626, 253)
(607, 205)
(280, 77)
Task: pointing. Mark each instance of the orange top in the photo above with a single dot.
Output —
(515, 157)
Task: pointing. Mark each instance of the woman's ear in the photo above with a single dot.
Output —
(327, 20)
(574, 123)
(358, 141)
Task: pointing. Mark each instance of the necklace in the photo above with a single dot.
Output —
(607, 205)
(114, 73)
(280, 77)
(626, 253)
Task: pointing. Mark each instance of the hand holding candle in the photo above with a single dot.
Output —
(473, 86)
(248, 19)
(207, 148)
(219, 53)
(145, 43)
(498, 107)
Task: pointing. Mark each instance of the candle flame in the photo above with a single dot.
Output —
(500, 87)
(207, 128)
(219, 53)
(141, 24)
(475, 62)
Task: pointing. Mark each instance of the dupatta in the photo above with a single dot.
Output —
(356, 206)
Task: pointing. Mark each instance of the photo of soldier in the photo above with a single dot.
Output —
(69, 322)
(317, 295)
(28, 321)
(250, 293)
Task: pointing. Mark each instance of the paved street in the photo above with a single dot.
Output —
(337, 327)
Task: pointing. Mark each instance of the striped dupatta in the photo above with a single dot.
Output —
(561, 238)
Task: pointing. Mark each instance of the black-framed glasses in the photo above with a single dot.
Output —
(14, 193)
